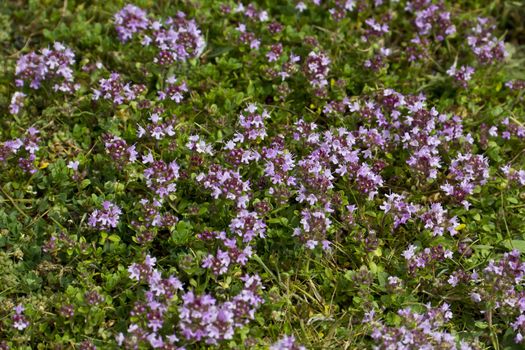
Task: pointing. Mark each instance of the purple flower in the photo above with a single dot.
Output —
(176, 39)
(401, 210)
(113, 89)
(200, 146)
(461, 75)
(316, 68)
(287, 342)
(485, 46)
(73, 165)
(17, 102)
(161, 177)
(174, 90)
(225, 183)
(426, 330)
(119, 150)
(20, 322)
(130, 20)
(105, 218)
(437, 221)
(51, 64)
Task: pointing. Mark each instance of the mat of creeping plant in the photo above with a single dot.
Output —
(317, 174)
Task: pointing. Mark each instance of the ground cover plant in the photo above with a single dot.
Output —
(275, 175)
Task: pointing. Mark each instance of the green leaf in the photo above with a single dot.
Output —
(515, 244)
(114, 238)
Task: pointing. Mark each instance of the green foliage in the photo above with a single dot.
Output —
(320, 297)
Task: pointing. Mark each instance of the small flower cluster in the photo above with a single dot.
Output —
(251, 12)
(287, 342)
(51, 64)
(119, 151)
(434, 218)
(130, 20)
(20, 321)
(105, 218)
(279, 164)
(424, 330)
(158, 129)
(316, 68)
(203, 318)
(461, 75)
(379, 59)
(434, 20)
(153, 217)
(275, 52)
(485, 46)
(177, 39)
(247, 226)
(222, 260)
(237, 154)
(314, 228)
(87, 345)
(93, 298)
(150, 315)
(428, 256)
(340, 9)
(161, 177)
(501, 285)
(67, 311)
(226, 183)
(437, 221)
(113, 89)
(517, 84)
(466, 172)
(252, 123)
(512, 129)
(401, 210)
(375, 29)
(517, 176)
(248, 38)
(200, 146)
(17, 102)
(174, 90)
(432, 24)
(288, 68)
(146, 272)
(29, 143)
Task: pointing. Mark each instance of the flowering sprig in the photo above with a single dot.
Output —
(120, 152)
(174, 90)
(462, 75)
(53, 64)
(17, 102)
(316, 69)
(287, 342)
(252, 123)
(176, 39)
(402, 211)
(129, 20)
(425, 258)
(25, 148)
(105, 218)
(114, 90)
(500, 286)
(20, 321)
(226, 183)
(203, 318)
(466, 172)
(426, 329)
(161, 177)
(486, 47)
